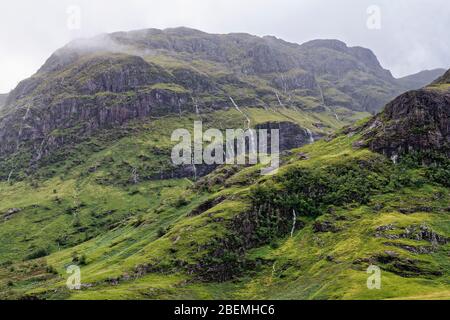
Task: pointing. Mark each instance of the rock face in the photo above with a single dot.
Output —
(415, 121)
(291, 135)
(349, 59)
(43, 129)
(3, 98)
(96, 92)
(114, 78)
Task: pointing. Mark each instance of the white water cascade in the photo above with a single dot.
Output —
(24, 118)
(278, 97)
(310, 135)
(324, 104)
(196, 105)
(294, 221)
(253, 142)
(194, 168)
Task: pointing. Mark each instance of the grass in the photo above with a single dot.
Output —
(299, 267)
(120, 227)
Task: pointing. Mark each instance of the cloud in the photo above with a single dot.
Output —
(413, 34)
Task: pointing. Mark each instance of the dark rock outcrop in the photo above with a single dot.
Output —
(291, 135)
(325, 226)
(412, 232)
(8, 214)
(43, 129)
(417, 121)
(406, 267)
(392, 261)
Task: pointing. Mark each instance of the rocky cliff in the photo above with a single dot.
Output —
(3, 98)
(111, 79)
(417, 121)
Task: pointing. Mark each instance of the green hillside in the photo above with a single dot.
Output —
(86, 176)
(183, 239)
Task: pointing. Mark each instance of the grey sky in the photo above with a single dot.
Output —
(414, 34)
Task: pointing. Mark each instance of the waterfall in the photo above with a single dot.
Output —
(194, 168)
(278, 97)
(253, 142)
(310, 135)
(324, 104)
(10, 174)
(135, 176)
(394, 158)
(294, 221)
(237, 108)
(321, 94)
(24, 118)
(335, 115)
(41, 147)
(274, 269)
(196, 105)
(21, 125)
(195, 171)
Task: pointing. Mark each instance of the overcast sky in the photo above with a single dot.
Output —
(406, 35)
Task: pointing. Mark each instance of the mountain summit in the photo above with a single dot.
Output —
(111, 79)
(416, 121)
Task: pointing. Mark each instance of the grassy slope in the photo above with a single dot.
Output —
(125, 226)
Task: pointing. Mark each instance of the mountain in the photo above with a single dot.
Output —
(335, 208)
(110, 80)
(442, 81)
(420, 79)
(86, 177)
(3, 98)
(416, 121)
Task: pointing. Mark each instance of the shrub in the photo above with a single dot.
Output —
(39, 253)
(161, 232)
(180, 202)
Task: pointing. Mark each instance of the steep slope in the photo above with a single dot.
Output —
(309, 232)
(420, 79)
(442, 81)
(3, 98)
(109, 80)
(417, 121)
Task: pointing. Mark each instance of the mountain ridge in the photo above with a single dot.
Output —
(126, 76)
(86, 177)
(3, 99)
(421, 79)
